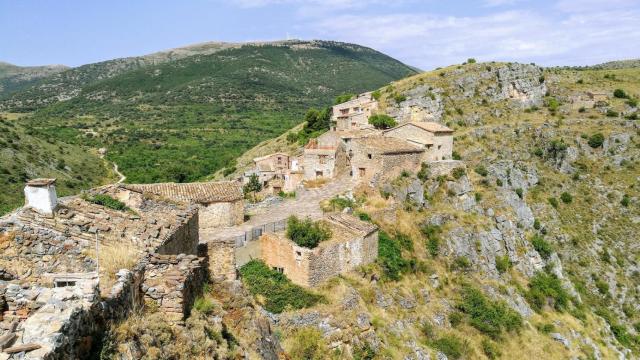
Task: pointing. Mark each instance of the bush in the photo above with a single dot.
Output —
(481, 170)
(451, 345)
(204, 305)
(546, 290)
(390, 257)
(553, 202)
(612, 113)
(432, 232)
(106, 201)
(542, 246)
(457, 173)
(462, 263)
(499, 182)
(620, 94)
(566, 197)
(456, 156)
(376, 95)
(307, 233)
(596, 140)
(536, 224)
(364, 352)
(519, 192)
(455, 318)
(538, 152)
(490, 317)
(341, 203)
(382, 121)
(632, 102)
(626, 200)
(307, 343)
(423, 174)
(503, 263)
(343, 98)
(278, 292)
(553, 104)
(399, 98)
(490, 349)
(471, 60)
(363, 216)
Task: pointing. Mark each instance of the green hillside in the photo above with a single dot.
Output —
(24, 156)
(196, 109)
(14, 78)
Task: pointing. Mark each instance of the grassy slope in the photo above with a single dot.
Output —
(183, 120)
(24, 156)
(14, 78)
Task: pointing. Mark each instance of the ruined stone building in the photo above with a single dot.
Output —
(220, 203)
(353, 243)
(354, 114)
(378, 157)
(57, 254)
(435, 138)
(323, 159)
(276, 172)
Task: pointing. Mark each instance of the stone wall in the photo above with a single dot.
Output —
(244, 254)
(382, 166)
(174, 282)
(184, 240)
(311, 267)
(222, 258)
(221, 214)
(438, 168)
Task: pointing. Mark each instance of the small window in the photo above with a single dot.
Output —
(370, 156)
(64, 283)
(439, 146)
(278, 269)
(298, 253)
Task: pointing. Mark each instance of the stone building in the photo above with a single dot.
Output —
(220, 203)
(435, 138)
(55, 256)
(276, 172)
(353, 243)
(354, 114)
(378, 157)
(323, 159)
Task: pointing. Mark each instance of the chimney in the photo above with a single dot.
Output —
(40, 194)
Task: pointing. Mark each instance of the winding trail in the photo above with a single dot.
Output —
(116, 170)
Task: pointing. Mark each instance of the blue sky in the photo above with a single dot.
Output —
(426, 33)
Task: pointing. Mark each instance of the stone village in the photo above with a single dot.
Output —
(60, 275)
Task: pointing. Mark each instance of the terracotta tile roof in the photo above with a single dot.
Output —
(203, 193)
(388, 145)
(270, 155)
(426, 125)
(352, 223)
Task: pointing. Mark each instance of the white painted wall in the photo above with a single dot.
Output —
(41, 198)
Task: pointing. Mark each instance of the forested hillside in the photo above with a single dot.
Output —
(183, 119)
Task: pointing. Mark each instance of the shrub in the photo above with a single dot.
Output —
(307, 343)
(343, 98)
(399, 98)
(503, 263)
(546, 290)
(481, 170)
(478, 196)
(490, 349)
(455, 318)
(423, 174)
(451, 345)
(499, 182)
(462, 263)
(612, 113)
(596, 140)
(553, 202)
(471, 60)
(382, 121)
(307, 233)
(456, 156)
(626, 200)
(278, 292)
(582, 109)
(553, 104)
(566, 197)
(376, 95)
(106, 201)
(363, 216)
(602, 286)
(364, 352)
(432, 232)
(632, 102)
(580, 81)
(204, 305)
(620, 94)
(490, 317)
(390, 257)
(457, 173)
(536, 224)
(542, 246)
(341, 203)
(538, 152)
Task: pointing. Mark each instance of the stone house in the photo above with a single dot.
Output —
(276, 172)
(59, 248)
(435, 138)
(220, 203)
(354, 114)
(323, 159)
(380, 157)
(353, 243)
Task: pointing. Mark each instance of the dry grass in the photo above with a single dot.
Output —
(112, 259)
(311, 184)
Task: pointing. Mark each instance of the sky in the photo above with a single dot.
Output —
(421, 33)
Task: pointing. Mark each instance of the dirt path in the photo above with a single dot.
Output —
(117, 171)
(306, 204)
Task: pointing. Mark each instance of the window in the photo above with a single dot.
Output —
(64, 283)
(279, 160)
(278, 269)
(439, 146)
(354, 124)
(344, 111)
(298, 253)
(322, 159)
(370, 156)
(318, 173)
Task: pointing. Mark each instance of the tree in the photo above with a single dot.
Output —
(253, 185)
(307, 233)
(317, 119)
(343, 98)
(471, 60)
(382, 121)
(596, 140)
(620, 94)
